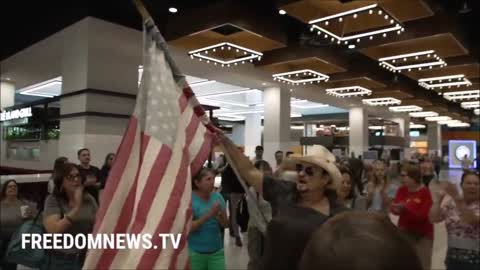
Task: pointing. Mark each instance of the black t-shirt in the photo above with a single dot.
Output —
(92, 170)
(230, 183)
(292, 226)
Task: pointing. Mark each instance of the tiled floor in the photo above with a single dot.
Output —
(237, 258)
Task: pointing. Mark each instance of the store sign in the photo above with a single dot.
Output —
(15, 114)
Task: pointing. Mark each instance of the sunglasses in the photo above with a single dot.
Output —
(308, 170)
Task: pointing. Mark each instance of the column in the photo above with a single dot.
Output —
(276, 132)
(253, 133)
(403, 122)
(253, 125)
(7, 92)
(7, 99)
(358, 135)
(101, 80)
(434, 134)
(238, 134)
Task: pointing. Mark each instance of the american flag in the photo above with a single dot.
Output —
(168, 139)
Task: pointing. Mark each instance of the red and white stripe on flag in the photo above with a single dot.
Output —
(148, 191)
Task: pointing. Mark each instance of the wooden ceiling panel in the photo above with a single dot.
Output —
(469, 70)
(361, 81)
(437, 109)
(398, 94)
(453, 115)
(474, 86)
(407, 10)
(401, 11)
(418, 102)
(245, 39)
(445, 45)
(313, 63)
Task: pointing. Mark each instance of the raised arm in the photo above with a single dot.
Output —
(241, 164)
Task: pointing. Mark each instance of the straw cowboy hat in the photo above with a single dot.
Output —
(321, 157)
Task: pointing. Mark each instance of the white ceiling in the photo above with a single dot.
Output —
(230, 98)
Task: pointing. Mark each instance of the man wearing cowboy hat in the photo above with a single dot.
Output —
(298, 207)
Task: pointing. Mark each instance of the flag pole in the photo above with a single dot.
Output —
(146, 16)
(142, 10)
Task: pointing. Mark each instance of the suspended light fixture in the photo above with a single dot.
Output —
(459, 125)
(391, 62)
(407, 108)
(241, 54)
(438, 118)
(350, 91)
(49, 88)
(416, 126)
(476, 111)
(423, 114)
(300, 77)
(438, 82)
(461, 95)
(470, 104)
(382, 101)
(316, 24)
(448, 122)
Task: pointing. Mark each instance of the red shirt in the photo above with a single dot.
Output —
(414, 217)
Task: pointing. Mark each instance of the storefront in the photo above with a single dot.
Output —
(26, 127)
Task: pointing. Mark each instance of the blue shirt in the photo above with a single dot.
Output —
(207, 238)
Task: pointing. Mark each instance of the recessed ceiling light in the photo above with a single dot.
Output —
(351, 46)
(282, 12)
(173, 10)
(264, 84)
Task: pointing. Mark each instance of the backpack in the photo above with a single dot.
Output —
(27, 256)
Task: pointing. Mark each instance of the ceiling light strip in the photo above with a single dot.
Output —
(285, 77)
(438, 118)
(423, 114)
(417, 126)
(215, 102)
(382, 101)
(407, 108)
(447, 122)
(459, 125)
(29, 89)
(225, 44)
(251, 57)
(470, 104)
(343, 14)
(459, 95)
(437, 63)
(441, 85)
(240, 91)
(442, 78)
(202, 83)
(371, 33)
(349, 91)
(400, 56)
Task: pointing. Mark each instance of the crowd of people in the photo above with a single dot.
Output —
(303, 212)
